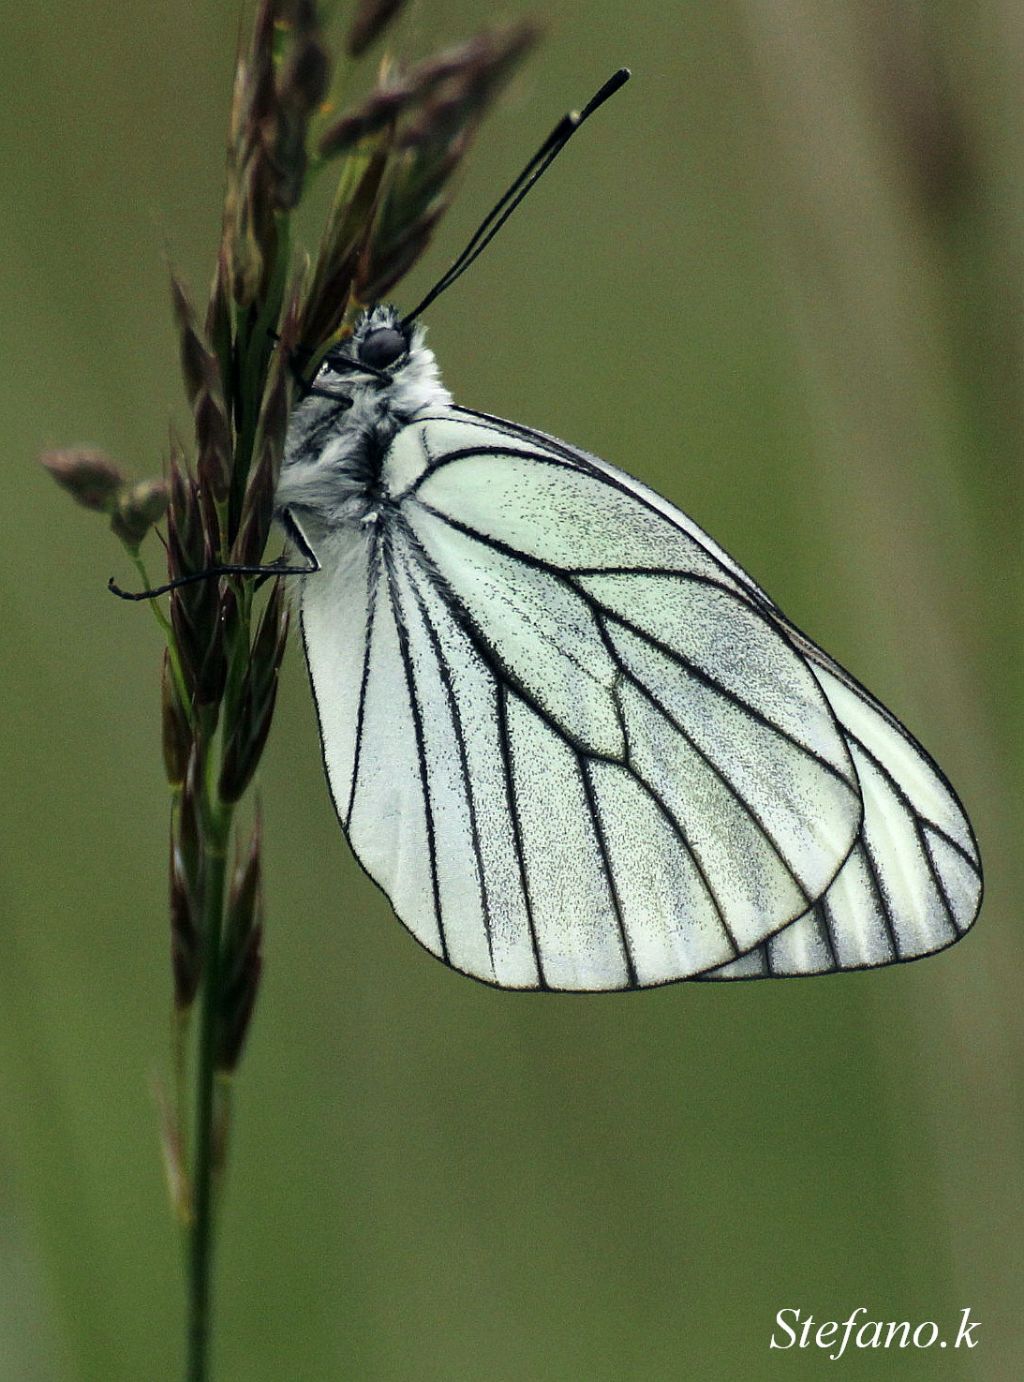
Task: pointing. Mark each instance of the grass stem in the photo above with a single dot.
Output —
(201, 1230)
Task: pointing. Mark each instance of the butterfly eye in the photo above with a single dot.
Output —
(382, 347)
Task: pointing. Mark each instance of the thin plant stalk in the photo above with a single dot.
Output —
(268, 319)
(201, 1229)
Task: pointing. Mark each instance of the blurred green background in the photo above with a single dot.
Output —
(780, 279)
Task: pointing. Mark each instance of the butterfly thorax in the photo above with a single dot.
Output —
(340, 432)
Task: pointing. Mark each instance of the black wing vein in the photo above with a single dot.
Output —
(613, 892)
(899, 792)
(372, 587)
(421, 755)
(444, 672)
(505, 749)
(824, 913)
(677, 830)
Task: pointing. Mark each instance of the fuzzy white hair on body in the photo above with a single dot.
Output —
(339, 433)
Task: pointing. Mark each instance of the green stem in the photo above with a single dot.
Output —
(179, 1045)
(164, 625)
(201, 1236)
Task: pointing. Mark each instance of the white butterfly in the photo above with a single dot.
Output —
(570, 738)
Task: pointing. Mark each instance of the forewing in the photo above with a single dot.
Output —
(575, 755)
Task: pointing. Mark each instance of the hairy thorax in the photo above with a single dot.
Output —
(340, 433)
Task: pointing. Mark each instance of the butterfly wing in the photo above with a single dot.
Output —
(912, 884)
(560, 729)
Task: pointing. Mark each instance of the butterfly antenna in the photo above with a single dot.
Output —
(529, 177)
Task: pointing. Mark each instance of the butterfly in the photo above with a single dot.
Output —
(569, 737)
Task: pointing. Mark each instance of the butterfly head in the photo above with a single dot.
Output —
(384, 367)
(367, 388)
